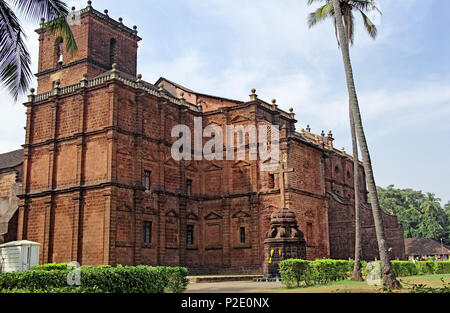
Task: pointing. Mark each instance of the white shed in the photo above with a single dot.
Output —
(18, 256)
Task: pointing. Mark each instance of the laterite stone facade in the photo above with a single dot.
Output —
(100, 185)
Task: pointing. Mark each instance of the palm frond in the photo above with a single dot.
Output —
(347, 9)
(60, 27)
(365, 5)
(320, 14)
(37, 9)
(369, 25)
(15, 61)
(310, 2)
(55, 12)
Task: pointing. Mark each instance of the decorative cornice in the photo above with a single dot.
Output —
(113, 76)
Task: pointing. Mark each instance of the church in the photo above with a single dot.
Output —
(99, 184)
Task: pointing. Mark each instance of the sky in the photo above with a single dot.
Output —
(228, 47)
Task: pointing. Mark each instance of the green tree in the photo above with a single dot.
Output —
(342, 13)
(15, 60)
(420, 214)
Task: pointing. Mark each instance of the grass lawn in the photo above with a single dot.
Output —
(348, 286)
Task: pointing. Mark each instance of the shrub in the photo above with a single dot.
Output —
(404, 268)
(442, 267)
(50, 267)
(103, 279)
(425, 267)
(294, 272)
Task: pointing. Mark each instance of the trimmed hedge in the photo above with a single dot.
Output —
(104, 279)
(295, 272)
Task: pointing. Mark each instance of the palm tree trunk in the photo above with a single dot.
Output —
(389, 279)
(357, 275)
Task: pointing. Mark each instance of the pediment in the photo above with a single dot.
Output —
(171, 163)
(241, 164)
(241, 214)
(191, 216)
(213, 216)
(213, 124)
(191, 167)
(239, 119)
(212, 167)
(172, 213)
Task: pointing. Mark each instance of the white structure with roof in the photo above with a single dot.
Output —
(18, 256)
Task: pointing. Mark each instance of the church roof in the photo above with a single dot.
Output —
(162, 79)
(11, 159)
(425, 246)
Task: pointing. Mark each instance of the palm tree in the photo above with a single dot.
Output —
(389, 279)
(15, 60)
(357, 273)
(324, 12)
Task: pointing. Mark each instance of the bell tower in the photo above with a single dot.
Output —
(101, 40)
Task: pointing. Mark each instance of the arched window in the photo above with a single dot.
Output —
(112, 51)
(336, 170)
(59, 49)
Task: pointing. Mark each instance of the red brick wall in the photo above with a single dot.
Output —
(84, 173)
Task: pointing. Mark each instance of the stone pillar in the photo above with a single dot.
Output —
(283, 241)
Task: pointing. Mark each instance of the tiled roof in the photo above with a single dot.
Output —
(11, 159)
(425, 246)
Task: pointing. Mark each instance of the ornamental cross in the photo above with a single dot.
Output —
(282, 173)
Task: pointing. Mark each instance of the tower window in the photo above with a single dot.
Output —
(59, 49)
(147, 232)
(190, 235)
(112, 51)
(242, 234)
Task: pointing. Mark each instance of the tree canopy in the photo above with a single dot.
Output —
(420, 214)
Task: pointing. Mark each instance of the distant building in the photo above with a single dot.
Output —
(11, 165)
(426, 248)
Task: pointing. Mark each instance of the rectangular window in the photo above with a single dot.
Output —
(189, 187)
(241, 137)
(271, 181)
(147, 179)
(147, 232)
(309, 232)
(190, 235)
(242, 234)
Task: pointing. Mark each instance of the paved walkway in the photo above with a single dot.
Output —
(232, 287)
